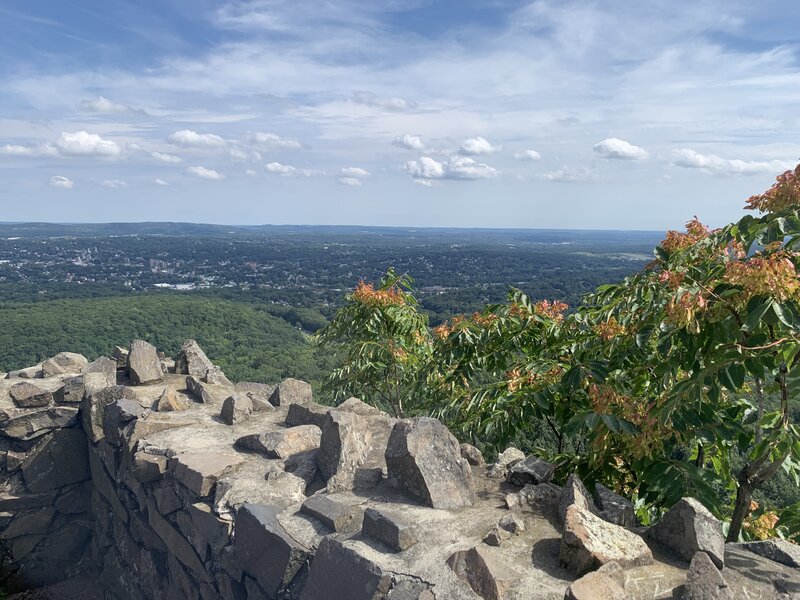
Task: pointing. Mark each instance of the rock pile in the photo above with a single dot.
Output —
(155, 480)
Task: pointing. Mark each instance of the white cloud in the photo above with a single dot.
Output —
(527, 155)
(570, 175)
(477, 145)
(189, 138)
(350, 181)
(356, 172)
(114, 183)
(106, 106)
(424, 182)
(615, 148)
(59, 181)
(394, 104)
(167, 158)
(287, 170)
(17, 150)
(711, 163)
(457, 167)
(204, 173)
(250, 173)
(272, 140)
(159, 181)
(411, 142)
(83, 143)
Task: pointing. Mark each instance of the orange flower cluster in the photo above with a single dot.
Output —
(673, 279)
(518, 310)
(609, 329)
(366, 294)
(774, 275)
(516, 378)
(681, 309)
(442, 331)
(675, 240)
(784, 193)
(763, 526)
(605, 401)
(484, 320)
(552, 310)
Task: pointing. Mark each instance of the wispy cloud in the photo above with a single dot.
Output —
(189, 138)
(615, 148)
(204, 173)
(105, 106)
(716, 165)
(114, 184)
(59, 181)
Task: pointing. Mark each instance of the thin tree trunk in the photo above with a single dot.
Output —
(740, 511)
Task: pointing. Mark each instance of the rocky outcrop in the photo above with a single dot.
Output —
(688, 528)
(143, 365)
(192, 360)
(704, 581)
(106, 489)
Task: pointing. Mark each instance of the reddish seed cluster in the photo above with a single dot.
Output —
(784, 193)
(675, 240)
(366, 294)
(609, 329)
(552, 310)
(681, 309)
(516, 379)
(773, 275)
(672, 278)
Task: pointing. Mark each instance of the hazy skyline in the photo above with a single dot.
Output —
(569, 114)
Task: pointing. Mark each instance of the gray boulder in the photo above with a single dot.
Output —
(27, 395)
(574, 492)
(283, 443)
(71, 392)
(472, 455)
(423, 460)
(531, 470)
(391, 530)
(291, 391)
(338, 571)
(236, 408)
(687, 528)
(704, 581)
(144, 366)
(507, 459)
(171, 401)
(614, 508)
(344, 447)
(780, 551)
(94, 406)
(607, 583)
(485, 572)
(335, 515)
(192, 360)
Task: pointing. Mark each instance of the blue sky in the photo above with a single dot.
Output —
(609, 114)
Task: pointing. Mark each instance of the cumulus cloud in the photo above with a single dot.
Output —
(350, 181)
(390, 104)
(527, 155)
(106, 106)
(159, 181)
(477, 145)
(204, 173)
(711, 163)
(83, 143)
(166, 158)
(356, 172)
(114, 183)
(615, 148)
(287, 170)
(457, 167)
(272, 140)
(424, 182)
(569, 175)
(18, 150)
(411, 142)
(189, 138)
(59, 181)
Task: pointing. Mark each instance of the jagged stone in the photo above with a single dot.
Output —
(390, 529)
(306, 414)
(496, 536)
(259, 393)
(704, 581)
(614, 508)
(344, 445)
(283, 443)
(589, 542)
(541, 493)
(117, 415)
(35, 424)
(94, 382)
(168, 364)
(104, 365)
(574, 492)
(171, 401)
(364, 580)
(71, 392)
(303, 465)
(76, 499)
(215, 376)
(71, 362)
(532, 470)
(32, 522)
(205, 392)
(266, 551)
(51, 368)
(144, 366)
(291, 391)
(148, 468)
(358, 406)
(335, 515)
(777, 550)
(199, 471)
(511, 500)
(192, 360)
(179, 547)
(471, 454)
(210, 529)
(120, 354)
(17, 502)
(236, 408)
(424, 461)
(688, 527)
(507, 459)
(607, 583)
(59, 461)
(512, 523)
(27, 395)
(486, 573)
(34, 372)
